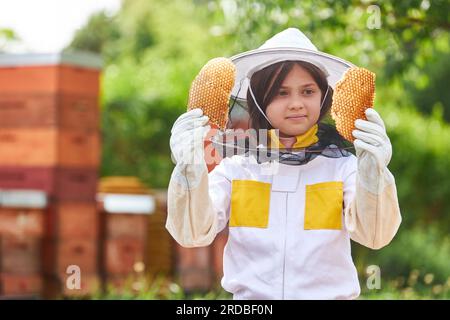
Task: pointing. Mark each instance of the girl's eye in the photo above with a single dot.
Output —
(282, 93)
(308, 91)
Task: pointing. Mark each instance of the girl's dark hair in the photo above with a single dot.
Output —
(265, 86)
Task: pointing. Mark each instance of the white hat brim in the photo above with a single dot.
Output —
(251, 61)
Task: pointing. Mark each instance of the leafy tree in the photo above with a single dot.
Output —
(98, 36)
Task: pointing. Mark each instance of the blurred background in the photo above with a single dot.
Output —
(150, 51)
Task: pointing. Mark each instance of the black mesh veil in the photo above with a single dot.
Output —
(234, 141)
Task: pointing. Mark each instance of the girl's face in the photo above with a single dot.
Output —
(296, 106)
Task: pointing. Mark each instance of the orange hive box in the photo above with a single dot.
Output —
(49, 147)
(21, 255)
(20, 260)
(72, 73)
(61, 253)
(15, 285)
(73, 220)
(21, 222)
(49, 110)
(21, 232)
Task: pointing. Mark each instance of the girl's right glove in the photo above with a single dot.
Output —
(186, 144)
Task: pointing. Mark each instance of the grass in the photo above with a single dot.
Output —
(416, 286)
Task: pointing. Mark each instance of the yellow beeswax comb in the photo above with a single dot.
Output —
(211, 90)
(353, 94)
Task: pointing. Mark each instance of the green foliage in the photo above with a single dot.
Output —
(423, 249)
(135, 133)
(429, 86)
(161, 287)
(420, 164)
(98, 41)
(398, 289)
(416, 285)
(368, 33)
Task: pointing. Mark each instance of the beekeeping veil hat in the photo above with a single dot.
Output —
(288, 45)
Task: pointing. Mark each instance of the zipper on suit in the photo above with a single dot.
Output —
(284, 249)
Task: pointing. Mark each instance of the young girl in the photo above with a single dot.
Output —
(289, 228)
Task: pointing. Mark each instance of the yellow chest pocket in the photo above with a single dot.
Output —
(323, 205)
(250, 201)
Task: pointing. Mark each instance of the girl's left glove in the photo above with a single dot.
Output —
(373, 150)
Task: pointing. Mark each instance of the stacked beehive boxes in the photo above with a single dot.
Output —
(130, 218)
(136, 244)
(50, 141)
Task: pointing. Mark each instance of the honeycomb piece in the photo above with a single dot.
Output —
(353, 94)
(211, 90)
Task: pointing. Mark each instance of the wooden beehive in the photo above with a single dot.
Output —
(50, 141)
(127, 248)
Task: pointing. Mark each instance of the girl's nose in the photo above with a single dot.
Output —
(296, 103)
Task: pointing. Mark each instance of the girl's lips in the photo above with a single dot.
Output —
(296, 117)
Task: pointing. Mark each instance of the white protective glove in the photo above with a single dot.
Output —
(374, 152)
(186, 144)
